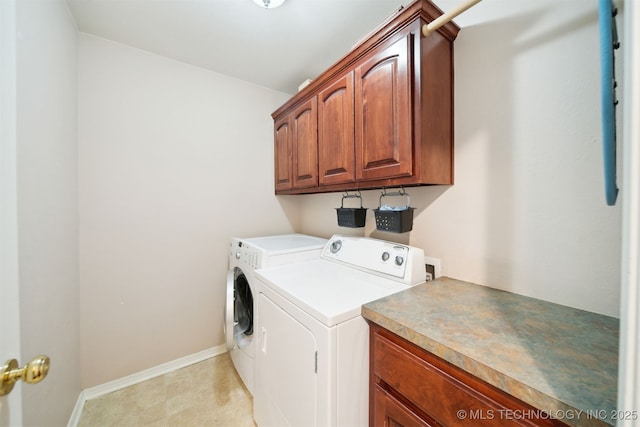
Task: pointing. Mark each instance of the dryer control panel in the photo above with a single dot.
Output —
(400, 262)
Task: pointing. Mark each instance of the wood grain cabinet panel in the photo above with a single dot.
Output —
(414, 387)
(384, 145)
(283, 154)
(390, 412)
(336, 132)
(296, 148)
(305, 145)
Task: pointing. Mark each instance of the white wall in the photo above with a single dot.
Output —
(174, 161)
(47, 175)
(527, 212)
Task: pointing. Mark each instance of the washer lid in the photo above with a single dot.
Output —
(285, 243)
(330, 292)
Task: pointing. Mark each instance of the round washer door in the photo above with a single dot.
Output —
(243, 306)
(239, 310)
(228, 313)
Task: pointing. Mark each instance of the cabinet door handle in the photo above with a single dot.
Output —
(264, 340)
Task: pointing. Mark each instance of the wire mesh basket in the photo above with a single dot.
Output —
(394, 219)
(351, 217)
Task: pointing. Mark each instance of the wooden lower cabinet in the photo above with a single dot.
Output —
(412, 387)
(390, 412)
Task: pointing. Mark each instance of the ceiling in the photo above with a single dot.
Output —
(275, 48)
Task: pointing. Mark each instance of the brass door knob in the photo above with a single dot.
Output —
(32, 373)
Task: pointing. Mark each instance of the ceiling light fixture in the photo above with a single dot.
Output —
(268, 4)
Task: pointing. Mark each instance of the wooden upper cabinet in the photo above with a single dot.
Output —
(283, 154)
(383, 111)
(296, 148)
(305, 145)
(336, 132)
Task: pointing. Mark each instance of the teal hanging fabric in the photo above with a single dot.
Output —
(608, 42)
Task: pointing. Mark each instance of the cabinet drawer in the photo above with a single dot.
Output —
(391, 412)
(445, 393)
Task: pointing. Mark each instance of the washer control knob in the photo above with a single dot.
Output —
(385, 256)
(399, 260)
(237, 255)
(335, 246)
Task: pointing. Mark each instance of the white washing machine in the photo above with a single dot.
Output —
(246, 255)
(312, 364)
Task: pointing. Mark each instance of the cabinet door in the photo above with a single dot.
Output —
(305, 145)
(383, 113)
(336, 132)
(283, 154)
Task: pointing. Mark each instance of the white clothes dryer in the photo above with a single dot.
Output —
(312, 363)
(241, 314)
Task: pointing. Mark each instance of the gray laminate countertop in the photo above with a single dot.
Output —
(556, 358)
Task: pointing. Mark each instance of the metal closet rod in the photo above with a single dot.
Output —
(446, 17)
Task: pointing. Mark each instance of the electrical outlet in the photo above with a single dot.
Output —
(433, 266)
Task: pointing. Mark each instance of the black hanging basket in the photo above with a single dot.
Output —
(351, 217)
(394, 220)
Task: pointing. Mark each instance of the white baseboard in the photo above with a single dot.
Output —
(74, 419)
(115, 385)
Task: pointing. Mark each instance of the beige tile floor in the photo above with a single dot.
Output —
(209, 393)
